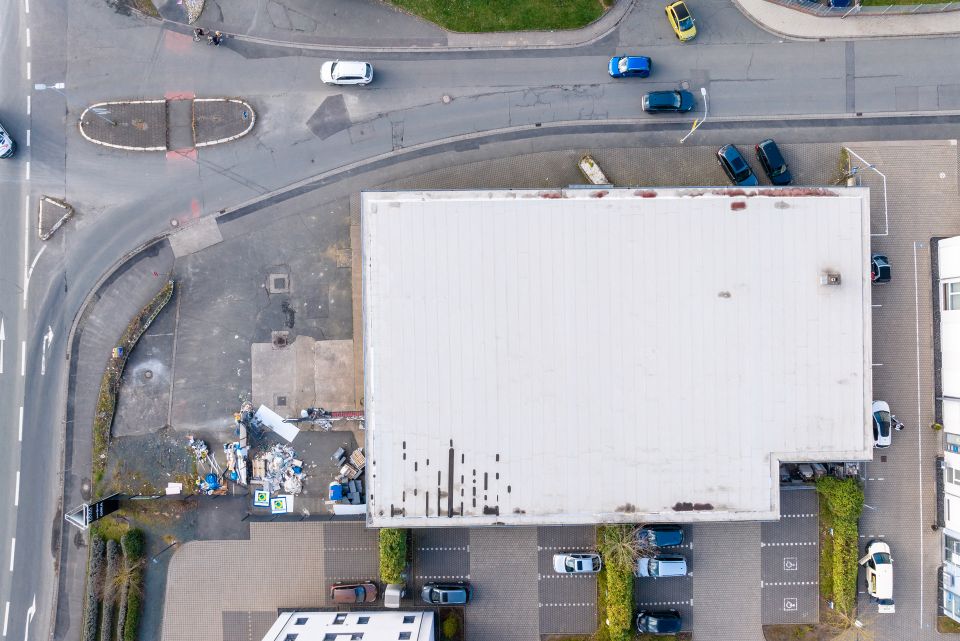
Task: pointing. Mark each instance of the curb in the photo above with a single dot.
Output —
(253, 121)
(627, 5)
(117, 102)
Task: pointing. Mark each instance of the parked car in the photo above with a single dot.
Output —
(346, 72)
(446, 593)
(577, 563)
(772, 162)
(661, 565)
(659, 622)
(881, 424)
(879, 269)
(353, 592)
(735, 166)
(8, 145)
(878, 566)
(676, 101)
(626, 66)
(681, 21)
(661, 536)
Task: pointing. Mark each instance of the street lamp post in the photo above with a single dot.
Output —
(706, 110)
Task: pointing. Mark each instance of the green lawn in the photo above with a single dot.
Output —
(476, 16)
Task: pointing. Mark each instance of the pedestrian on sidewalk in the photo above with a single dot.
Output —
(198, 33)
(215, 39)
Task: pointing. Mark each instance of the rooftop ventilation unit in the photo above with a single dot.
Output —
(829, 278)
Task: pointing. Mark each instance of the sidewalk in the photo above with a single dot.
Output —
(116, 300)
(370, 26)
(793, 23)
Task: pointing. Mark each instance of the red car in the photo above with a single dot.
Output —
(353, 592)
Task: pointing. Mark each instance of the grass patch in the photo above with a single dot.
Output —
(947, 625)
(110, 528)
(603, 632)
(883, 3)
(826, 553)
(476, 16)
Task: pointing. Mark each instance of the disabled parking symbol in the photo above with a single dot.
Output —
(790, 604)
(790, 564)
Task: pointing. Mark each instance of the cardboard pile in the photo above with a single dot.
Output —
(279, 469)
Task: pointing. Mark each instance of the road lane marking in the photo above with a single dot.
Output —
(28, 137)
(26, 240)
(28, 104)
(28, 37)
(13, 551)
(26, 6)
(23, 359)
(16, 491)
(47, 340)
(28, 274)
(6, 618)
(20, 429)
(30, 612)
(3, 339)
(29, 71)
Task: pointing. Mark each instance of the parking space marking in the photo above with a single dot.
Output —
(790, 564)
(369, 549)
(657, 603)
(567, 605)
(767, 584)
(465, 548)
(566, 576)
(797, 516)
(556, 548)
(785, 545)
(873, 536)
(442, 578)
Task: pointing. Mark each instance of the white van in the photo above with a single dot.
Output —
(661, 565)
(879, 570)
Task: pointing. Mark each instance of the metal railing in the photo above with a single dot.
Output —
(825, 10)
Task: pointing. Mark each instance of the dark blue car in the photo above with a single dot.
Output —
(626, 66)
(677, 101)
(735, 166)
(661, 536)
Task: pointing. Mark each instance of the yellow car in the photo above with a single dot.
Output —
(681, 21)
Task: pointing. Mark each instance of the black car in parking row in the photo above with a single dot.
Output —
(735, 166)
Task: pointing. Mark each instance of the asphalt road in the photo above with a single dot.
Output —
(756, 84)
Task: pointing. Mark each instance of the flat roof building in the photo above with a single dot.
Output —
(621, 355)
(359, 625)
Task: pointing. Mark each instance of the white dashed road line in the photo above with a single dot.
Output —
(648, 604)
(567, 605)
(785, 545)
(767, 584)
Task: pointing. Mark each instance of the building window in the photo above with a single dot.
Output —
(301, 621)
(363, 620)
(290, 637)
(356, 636)
(951, 296)
(340, 618)
(404, 636)
(409, 618)
(330, 636)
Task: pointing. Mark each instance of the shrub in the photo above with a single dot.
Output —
(844, 496)
(618, 545)
(843, 500)
(132, 543)
(450, 626)
(619, 602)
(393, 555)
(94, 570)
(132, 622)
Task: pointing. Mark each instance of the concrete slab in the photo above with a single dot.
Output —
(199, 235)
(307, 373)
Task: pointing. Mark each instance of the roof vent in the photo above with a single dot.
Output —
(829, 278)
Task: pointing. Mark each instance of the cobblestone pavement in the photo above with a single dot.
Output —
(568, 603)
(140, 125)
(921, 203)
(789, 560)
(503, 573)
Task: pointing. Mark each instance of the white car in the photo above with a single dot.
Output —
(878, 565)
(577, 563)
(7, 145)
(346, 72)
(882, 424)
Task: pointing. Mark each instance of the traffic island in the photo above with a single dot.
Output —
(51, 214)
(180, 124)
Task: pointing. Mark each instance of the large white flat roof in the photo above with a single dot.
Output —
(583, 356)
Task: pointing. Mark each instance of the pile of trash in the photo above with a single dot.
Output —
(279, 469)
(236, 462)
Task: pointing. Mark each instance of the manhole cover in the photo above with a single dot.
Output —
(685, 84)
(148, 375)
(281, 401)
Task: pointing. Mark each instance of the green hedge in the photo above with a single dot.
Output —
(843, 499)
(620, 603)
(132, 623)
(393, 555)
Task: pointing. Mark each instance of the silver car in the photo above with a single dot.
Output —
(577, 563)
(346, 72)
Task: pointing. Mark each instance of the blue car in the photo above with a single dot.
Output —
(736, 167)
(626, 66)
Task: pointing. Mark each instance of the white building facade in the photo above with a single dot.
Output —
(363, 625)
(949, 300)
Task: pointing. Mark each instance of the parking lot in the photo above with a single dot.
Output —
(568, 602)
(789, 560)
(670, 593)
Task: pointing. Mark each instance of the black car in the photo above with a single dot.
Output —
(659, 622)
(661, 536)
(774, 166)
(676, 101)
(879, 269)
(736, 167)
